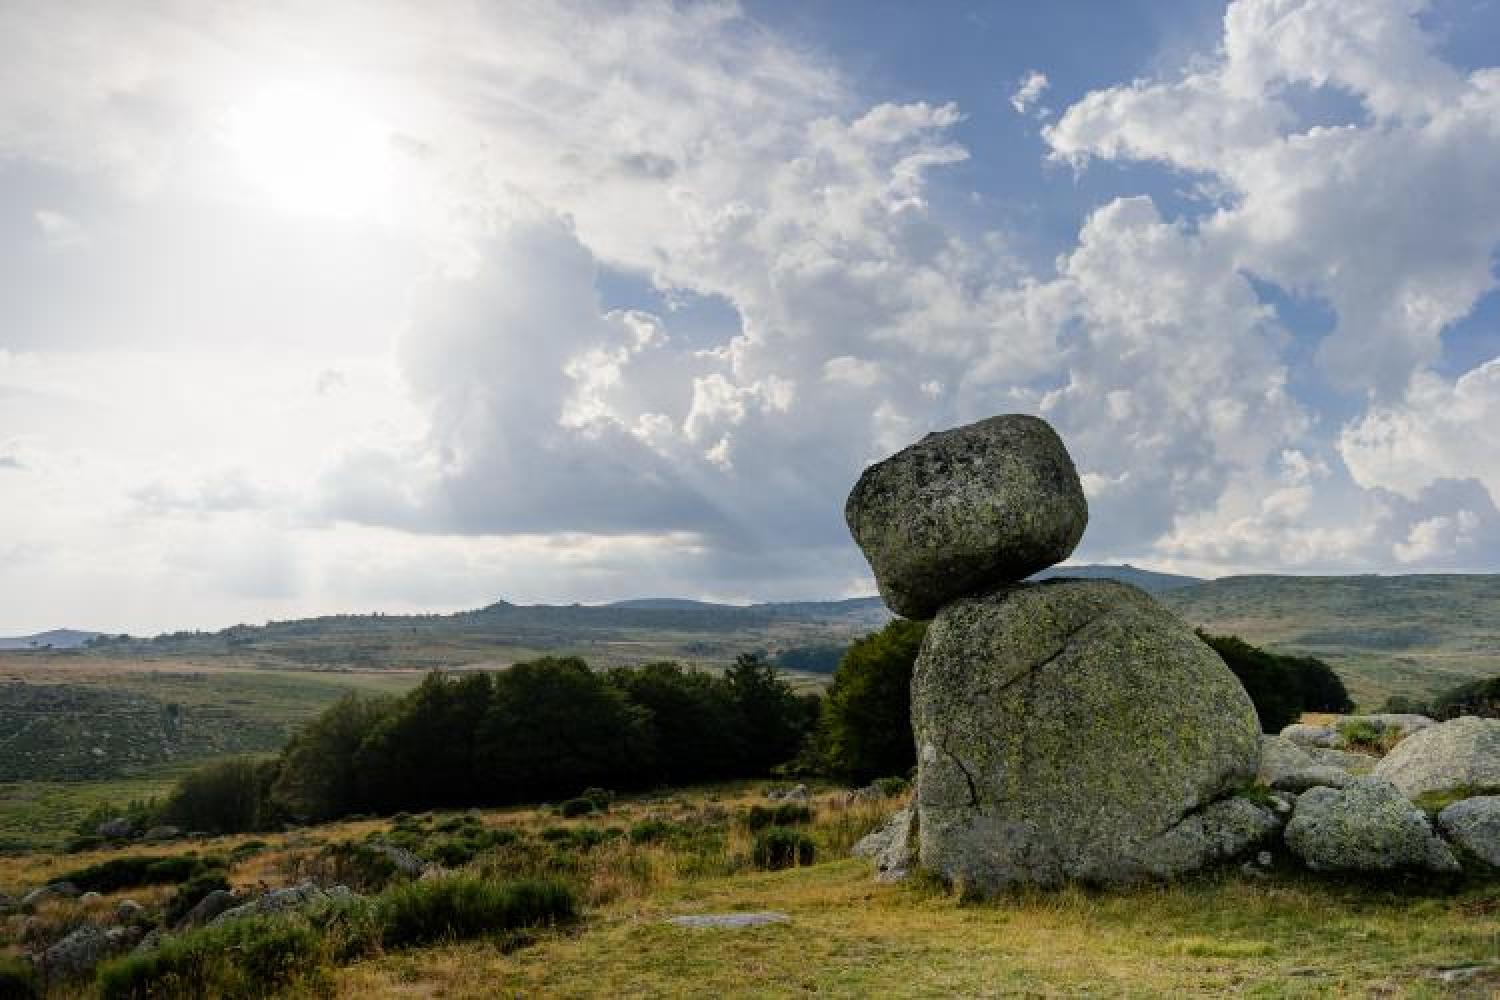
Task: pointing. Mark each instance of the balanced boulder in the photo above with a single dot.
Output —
(1366, 827)
(1063, 726)
(965, 509)
(1463, 754)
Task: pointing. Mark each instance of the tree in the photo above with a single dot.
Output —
(225, 796)
(421, 754)
(773, 719)
(865, 729)
(554, 727)
(694, 721)
(320, 776)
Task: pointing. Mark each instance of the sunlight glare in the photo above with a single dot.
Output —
(312, 151)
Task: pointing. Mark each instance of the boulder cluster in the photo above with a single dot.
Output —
(1076, 730)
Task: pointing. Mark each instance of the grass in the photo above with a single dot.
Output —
(848, 936)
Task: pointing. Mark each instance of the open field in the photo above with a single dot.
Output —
(1220, 934)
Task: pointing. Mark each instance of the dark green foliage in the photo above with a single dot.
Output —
(696, 730)
(555, 724)
(774, 718)
(782, 847)
(141, 814)
(782, 814)
(18, 980)
(1282, 687)
(602, 798)
(359, 866)
(453, 909)
(1481, 697)
(77, 845)
(128, 873)
(247, 849)
(225, 796)
(649, 831)
(247, 959)
(191, 892)
(865, 730)
(320, 774)
(573, 808)
(891, 787)
(421, 753)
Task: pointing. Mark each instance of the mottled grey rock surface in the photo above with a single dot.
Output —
(1367, 827)
(1221, 832)
(892, 847)
(1461, 754)
(76, 955)
(1360, 764)
(1278, 756)
(208, 907)
(1061, 725)
(1474, 825)
(965, 509)
(1310, 735)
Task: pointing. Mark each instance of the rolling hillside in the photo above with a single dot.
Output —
(1409, 635)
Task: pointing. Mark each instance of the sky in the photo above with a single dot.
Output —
(329, 307)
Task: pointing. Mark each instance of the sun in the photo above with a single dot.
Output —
(312, 150)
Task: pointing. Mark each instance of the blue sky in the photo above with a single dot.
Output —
(403, 307)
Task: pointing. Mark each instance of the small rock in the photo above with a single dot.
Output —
(1359, 764)
(405, 861)
(1463, 753)
(1316, 776)
(276, 901)
(892, 846)
(798, 794)
(729, 920)
(118, 828)
(54, 890)
(1280, 756)
(1474, 825)
(210, 906)
(1221, 831)
(162, 833)
(76, 955)
(1263, 859)
(89, 897)
(1368, 827)
(1306, 735)
(150, 942)
(128, 911)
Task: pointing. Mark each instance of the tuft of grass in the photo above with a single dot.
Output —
(453, 909)
(783, 847)
(1433, 803)
(784, 814)
(240, 960)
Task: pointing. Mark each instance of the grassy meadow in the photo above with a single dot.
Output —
(649, 858)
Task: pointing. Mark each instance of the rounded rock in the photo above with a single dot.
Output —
(1061, 728)
(1463, 754)
(965, 509)
(1367, 826)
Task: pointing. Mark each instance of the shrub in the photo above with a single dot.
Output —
(359, 866)
(782, 847)
(77, 845)
(191, 892)
(891, 787)
(1481, 697)
(649, 831)
(1362, 734)
(453, 909)
(576, 807)
(18, 980)
(226, 796)
(602, 798)
(1282, 687)
(782, 814)
(127, 873)
(250, 958)
(1398, 704)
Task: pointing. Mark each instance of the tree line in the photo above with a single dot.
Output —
(548, 729)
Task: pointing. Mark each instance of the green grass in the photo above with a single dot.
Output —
(41, 815)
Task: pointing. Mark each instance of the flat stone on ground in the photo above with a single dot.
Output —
(729, 920)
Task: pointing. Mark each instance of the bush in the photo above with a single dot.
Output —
(250, 958)
(573, 808)
(891, 787)
(602, 798)
(782, 847)
(649, 831)
(359, 866)
(128, 873)
(190, 893)
(1362, 734)
(453, 909)
(1398, 704)
(1481, 698)
(18, 980)
(865, 727)
(782, 814)
(1282, 687)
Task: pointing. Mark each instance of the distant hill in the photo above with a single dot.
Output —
(667, 603)
(1412, 635)
(58, 638)
(1148, 580)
